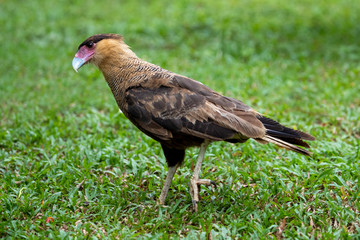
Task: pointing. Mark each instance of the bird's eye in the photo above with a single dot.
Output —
(90, 44)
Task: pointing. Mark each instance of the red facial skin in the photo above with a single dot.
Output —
(83, 56)
(85, 53)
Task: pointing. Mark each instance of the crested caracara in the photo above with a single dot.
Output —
(177, 111)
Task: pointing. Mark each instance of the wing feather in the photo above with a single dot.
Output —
(172, 108)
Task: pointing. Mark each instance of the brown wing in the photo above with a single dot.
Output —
(190, 108)
(231, 113)
(230, 104)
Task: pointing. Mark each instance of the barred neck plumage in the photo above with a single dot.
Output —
(128, 73)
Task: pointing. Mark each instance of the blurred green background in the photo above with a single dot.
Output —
(67, 153)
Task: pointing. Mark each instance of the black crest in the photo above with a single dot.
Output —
(98, 37)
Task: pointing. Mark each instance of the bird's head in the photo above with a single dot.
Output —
(99, 47)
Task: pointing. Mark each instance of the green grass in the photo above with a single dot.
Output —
(67, 153)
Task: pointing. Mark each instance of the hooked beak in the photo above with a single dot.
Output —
(77, 63)
(83, 55)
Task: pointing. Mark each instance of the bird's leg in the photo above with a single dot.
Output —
(165, 189)
(195, 181)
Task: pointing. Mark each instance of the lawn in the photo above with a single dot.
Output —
(73, 167)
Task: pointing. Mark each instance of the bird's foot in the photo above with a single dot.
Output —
(194, 189)
(207, 182)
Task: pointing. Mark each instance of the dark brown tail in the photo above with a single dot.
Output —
(285, 137)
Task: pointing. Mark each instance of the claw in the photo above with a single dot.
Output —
(195, 188)
(206, 182)
(213, 184)
(195, 181)
(195, 205)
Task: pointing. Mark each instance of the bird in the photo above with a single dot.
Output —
(177, 111)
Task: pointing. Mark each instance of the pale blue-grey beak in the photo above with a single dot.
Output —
(77, 63)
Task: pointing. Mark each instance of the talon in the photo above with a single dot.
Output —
(213, 184)
(195, 206)
(195, 181)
